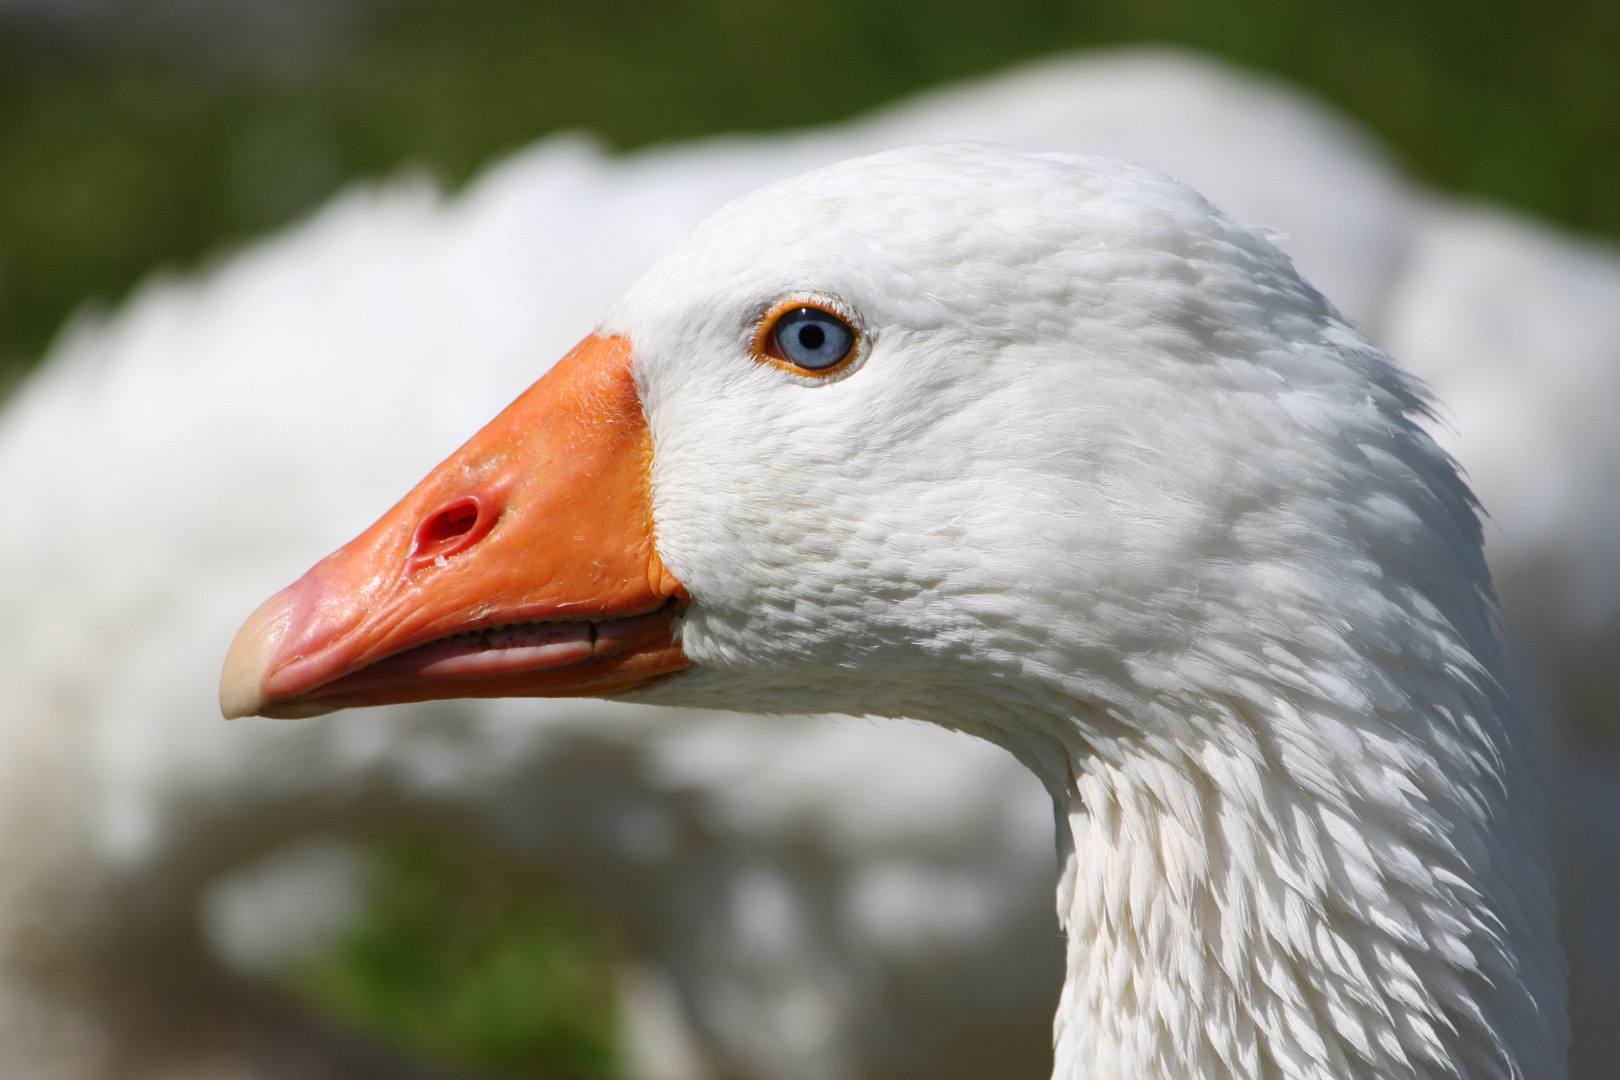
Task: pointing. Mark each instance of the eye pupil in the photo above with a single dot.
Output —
(813, 339)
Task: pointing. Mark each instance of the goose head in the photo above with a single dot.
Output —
(1071, 397)
(1045, 449)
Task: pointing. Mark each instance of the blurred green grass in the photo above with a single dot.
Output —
(473, 963)
(141, 145)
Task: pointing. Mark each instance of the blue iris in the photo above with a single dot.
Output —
(812, 338)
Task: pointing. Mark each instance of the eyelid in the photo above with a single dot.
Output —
(766, 351)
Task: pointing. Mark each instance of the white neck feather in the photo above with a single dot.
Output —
(1239, 904)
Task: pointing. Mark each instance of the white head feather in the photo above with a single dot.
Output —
(1111, 486)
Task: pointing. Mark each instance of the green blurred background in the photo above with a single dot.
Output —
(470, 961)
(145, 133)
(138, 134)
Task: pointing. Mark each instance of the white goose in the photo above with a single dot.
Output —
(1048, 450)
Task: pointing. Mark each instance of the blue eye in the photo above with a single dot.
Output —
(813, 339)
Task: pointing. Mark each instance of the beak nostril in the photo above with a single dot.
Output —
(454, 528)
(447, 524)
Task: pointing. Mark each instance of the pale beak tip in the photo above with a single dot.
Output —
(241, 683)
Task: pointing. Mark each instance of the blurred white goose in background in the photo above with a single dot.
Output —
(179, 461)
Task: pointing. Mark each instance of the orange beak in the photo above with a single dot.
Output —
(524, 566)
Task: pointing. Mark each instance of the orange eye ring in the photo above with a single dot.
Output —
(767, 348)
